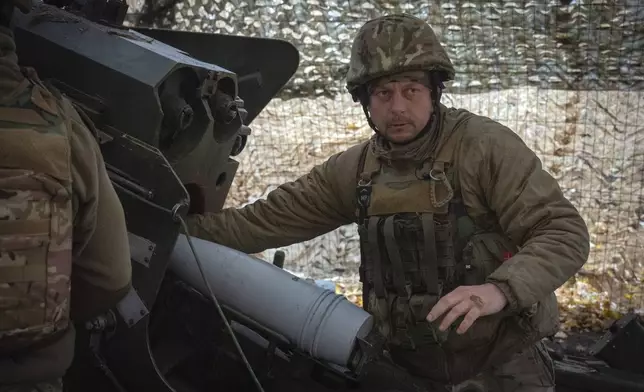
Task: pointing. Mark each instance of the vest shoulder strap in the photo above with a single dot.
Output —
(367, 164)
(361, 161)
(444, 160)
(447, 149)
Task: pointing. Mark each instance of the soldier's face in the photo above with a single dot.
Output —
(400, 106)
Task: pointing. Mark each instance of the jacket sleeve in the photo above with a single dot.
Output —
(101, 274)
(532, 210)
(314, 204)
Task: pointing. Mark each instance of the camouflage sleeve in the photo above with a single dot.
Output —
(102, 271)
(507, 176)
(314, 204)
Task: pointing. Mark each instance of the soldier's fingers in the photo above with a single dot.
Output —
(469, 319)
(456, 312)
(446, 303)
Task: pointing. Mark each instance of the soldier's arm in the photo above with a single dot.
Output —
(314, 204)
(533, 212)
(101, 274)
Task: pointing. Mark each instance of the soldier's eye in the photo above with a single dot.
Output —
(382, 94)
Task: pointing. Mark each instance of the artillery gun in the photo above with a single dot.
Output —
(171, 111)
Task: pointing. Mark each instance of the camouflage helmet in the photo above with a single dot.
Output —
(392, 44)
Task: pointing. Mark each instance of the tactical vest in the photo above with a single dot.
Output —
(417, 244)
(36, 219)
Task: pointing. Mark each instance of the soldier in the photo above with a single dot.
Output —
(464, 236)
(62, 226)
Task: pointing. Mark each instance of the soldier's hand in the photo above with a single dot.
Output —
(471, 302)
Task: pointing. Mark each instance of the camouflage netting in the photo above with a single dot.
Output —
(543, 69)
(593, 45)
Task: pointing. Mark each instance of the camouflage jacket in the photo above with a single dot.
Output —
(101, 271)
